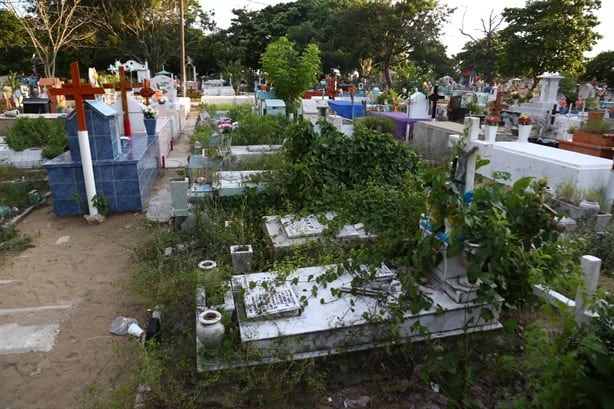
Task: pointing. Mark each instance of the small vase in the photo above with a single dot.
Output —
(241, 256)
(150, 126)
(490, 133)
(590, 208)
(523, 132)
(209, 329)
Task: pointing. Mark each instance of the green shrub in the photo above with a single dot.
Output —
(49, 134)
(259, 130)
(378, 123)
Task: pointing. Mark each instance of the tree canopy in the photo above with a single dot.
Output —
(290, 73)
(548, 36)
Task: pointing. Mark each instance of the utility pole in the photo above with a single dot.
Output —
(182, 30)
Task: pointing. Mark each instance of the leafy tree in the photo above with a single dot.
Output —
(54, 25)
(290, 73)
(14, 51)
(602, 67)
(390, 31)
(548, 36)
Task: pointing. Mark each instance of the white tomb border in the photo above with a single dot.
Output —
(342, 308)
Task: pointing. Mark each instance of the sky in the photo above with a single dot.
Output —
(473, 11)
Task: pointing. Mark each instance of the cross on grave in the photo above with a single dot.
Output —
(123, 86)
(496, 109)
(78, 92)
(146, 91)
(434, 97)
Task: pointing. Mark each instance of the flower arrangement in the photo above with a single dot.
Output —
(515, 95)
(579, 104)
(159, 97)
(493, 120)
(525, 119)
(149, 112)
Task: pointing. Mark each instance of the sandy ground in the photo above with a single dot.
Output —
(84, 271)
(81, 265)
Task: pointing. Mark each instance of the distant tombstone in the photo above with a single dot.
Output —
(36, 105)
(52, 83)
(302, 227)
(288, 231)
(134, 67)
(165, 84)
(135, 113)
(434, 98)
(549, 87)
(309, 110)
(418, 106)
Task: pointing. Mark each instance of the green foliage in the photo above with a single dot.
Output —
(548, 36)
(378, 123)
(387, 96)
(290, 73)
(259, 130)
(320, 167)
(101, 204)
(600, 127)
(38, 132)
(202, 133)
(571, 369)
(599, 244)
(600, 67)
(12, 241)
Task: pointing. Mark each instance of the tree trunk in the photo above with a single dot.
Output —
(387, 64)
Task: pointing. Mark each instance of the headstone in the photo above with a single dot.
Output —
(135, 114)
(135, 68)
(166, 85)
(123, 86)
(265, 298)
(418, 106)
(288, 231)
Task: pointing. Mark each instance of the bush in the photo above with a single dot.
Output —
(38, 133)
(259, 130)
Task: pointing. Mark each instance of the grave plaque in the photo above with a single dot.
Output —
(266, 299)
(304, 227)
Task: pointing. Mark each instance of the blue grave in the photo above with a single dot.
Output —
(347, 109)
(124, 168)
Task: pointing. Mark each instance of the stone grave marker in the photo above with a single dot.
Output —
(288, 231)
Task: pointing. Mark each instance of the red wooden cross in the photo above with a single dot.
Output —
(78, 92)
(146, 91)
(123, 86)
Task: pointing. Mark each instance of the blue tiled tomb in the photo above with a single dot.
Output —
(124, 168)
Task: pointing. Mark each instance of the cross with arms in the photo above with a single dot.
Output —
(146, 91)
(123, 86)
(434, 97)
(79, 92)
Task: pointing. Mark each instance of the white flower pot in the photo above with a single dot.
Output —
(209, 329)
(490, 133)
(523, 132)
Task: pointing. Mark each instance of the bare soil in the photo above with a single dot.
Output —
(85, 271)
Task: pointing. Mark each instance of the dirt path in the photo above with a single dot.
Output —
(74, 263)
